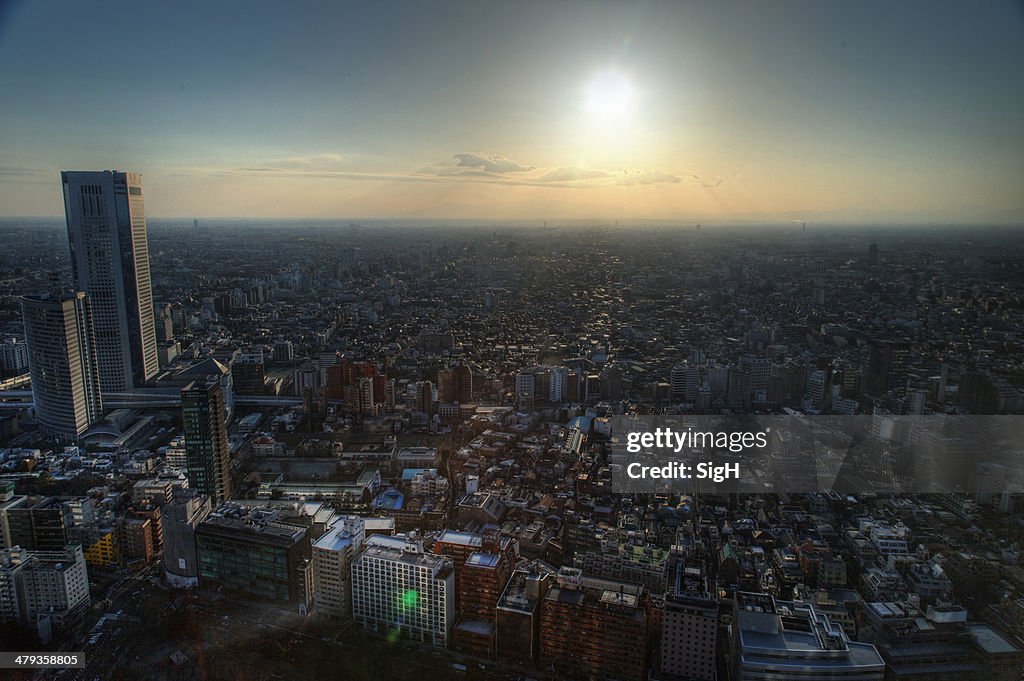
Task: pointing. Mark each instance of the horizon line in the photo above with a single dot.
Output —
(680, 222)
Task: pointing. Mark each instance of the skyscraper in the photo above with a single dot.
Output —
(110, 261)
(62, 361)
(462, 382)
(206, 439)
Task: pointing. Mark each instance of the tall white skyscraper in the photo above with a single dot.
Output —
(110, 260)
(62, 361)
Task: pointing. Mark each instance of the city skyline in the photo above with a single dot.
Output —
(865, 113)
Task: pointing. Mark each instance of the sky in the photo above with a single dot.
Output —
(846, 112)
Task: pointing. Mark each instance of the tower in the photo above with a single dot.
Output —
(462, 382)
(110, 261)
(206, 439)
(62, 362)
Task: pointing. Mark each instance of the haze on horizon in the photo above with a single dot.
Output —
(909, 112)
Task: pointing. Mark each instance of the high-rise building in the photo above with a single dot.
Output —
(886, 367)
(248, 373)
(37, 523)
(482, 579)
(206, 439)
(396, 586)
(9, 501)
(367, 399)
(284, 351)
(594, 627)
(461, 545)
(445, 386)
(179, 519)
(332, 566)
(517, 617)
(110, 260)
(425, 397)
(462, 383)
(62, 360)
(689, 626)
(49, 589)
(164, 324)
(13, 357)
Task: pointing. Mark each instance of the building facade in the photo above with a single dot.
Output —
(397, 586)
(63, 363)
(251, 554)
(593, 627)
(206, 439)
(332, 566)
(110, 260)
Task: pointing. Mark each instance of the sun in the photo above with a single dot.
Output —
(609, 96)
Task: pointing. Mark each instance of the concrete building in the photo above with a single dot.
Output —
(45, 589)
(179, 519)
(13, 357)
(332, 566)
(594, 627)
(481, 580)
(775, 640)
(36, 523)
(110, 260)
(689, 627)
(246, 551)
(517, 614)
(62, 350)
(397, 586)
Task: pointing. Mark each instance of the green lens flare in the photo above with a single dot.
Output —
(409, 598)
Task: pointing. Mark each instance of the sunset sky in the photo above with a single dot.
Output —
(714, 111)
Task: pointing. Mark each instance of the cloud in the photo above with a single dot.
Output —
(707, 184)
(19, 171)
(459, 168)
(571, 174)
(313, 159)
(649, 177)
(491, 163)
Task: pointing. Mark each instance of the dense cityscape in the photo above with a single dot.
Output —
(531, 341)
(268, 450)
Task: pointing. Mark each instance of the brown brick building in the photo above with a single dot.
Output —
(593, 627)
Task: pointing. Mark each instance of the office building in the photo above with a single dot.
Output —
(462, 384)
(248, 373)
(13, 357)
(8, 501)
(62, 353)
(332, 566)
(517, 614)
(249, 552)
(137, 540)
(284, 351)
(937, 643)
(110, 260)
(36, 523)
(179, 519)
(48, 590)
(689, 626)
(777, 640)
(397, 586)
(206, 439)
